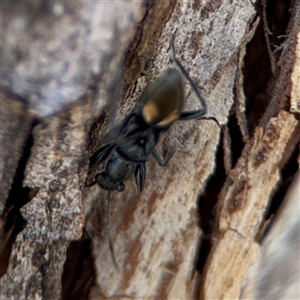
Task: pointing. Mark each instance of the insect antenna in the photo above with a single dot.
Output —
(190, 114)
(110, 244)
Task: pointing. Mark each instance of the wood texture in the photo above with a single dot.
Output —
(155, 234)
(60, 60)
(74, 70)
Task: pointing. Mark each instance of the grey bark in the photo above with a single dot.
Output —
(76, 70)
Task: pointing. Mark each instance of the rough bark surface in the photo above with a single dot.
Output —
(279, 251)
(60, 60)
(155, 233)
(69, 73)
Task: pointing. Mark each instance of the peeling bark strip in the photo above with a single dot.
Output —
(250, 186)
(295, 78)
(242, 203)
(275, 274)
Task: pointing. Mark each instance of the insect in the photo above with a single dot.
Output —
(134, 139)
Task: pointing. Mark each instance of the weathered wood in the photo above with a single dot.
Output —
(276, 271)
(246, 194)
(155, 233)
(60, 59)
(69, 61)
(242, 204)
(15, 128)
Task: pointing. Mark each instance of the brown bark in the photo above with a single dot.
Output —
(63, 63)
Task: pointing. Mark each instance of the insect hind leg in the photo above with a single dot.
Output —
(190, 114)
(160, 161)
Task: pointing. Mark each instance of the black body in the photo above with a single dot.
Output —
(135, 138)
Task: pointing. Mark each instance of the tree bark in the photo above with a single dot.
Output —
(70, 73)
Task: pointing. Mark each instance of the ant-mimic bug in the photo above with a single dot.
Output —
(134, 139)
(157, 109)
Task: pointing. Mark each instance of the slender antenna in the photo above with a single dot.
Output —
(190, 114)
(110, 244)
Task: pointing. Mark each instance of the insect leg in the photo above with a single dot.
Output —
(101, 155)
(160, 160)
(190, 114)
(140, 175)
(110, 244)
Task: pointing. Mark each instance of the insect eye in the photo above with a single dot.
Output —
(142, 141)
